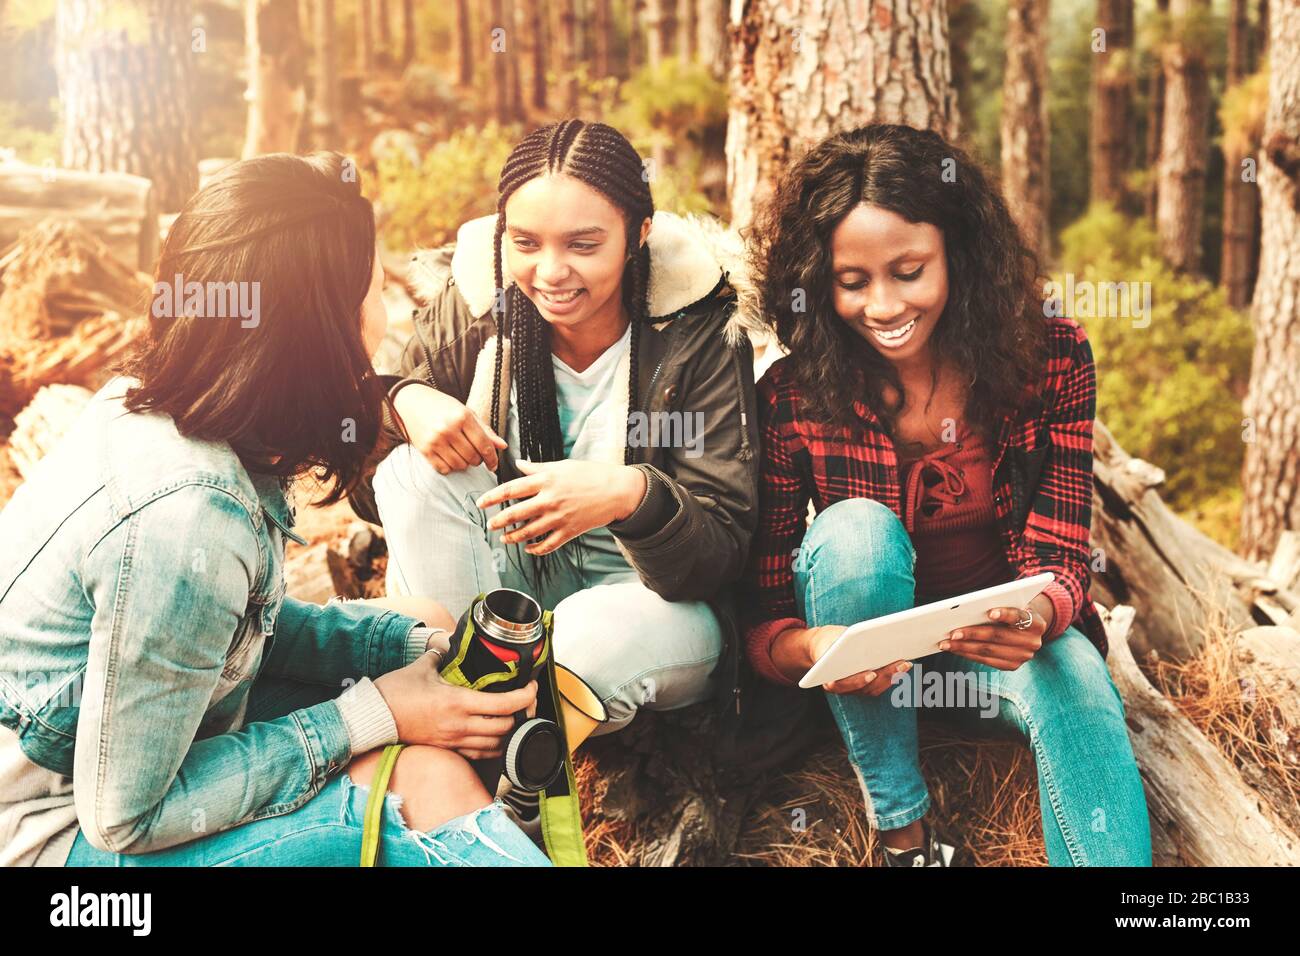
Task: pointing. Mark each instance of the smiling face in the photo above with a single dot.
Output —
(565, 246)
(890, 281)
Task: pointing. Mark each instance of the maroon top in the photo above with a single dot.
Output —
(947, 505)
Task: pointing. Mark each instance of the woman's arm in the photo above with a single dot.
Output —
(1056, 536)
(170, 585)
(337, 644)
(783, 496)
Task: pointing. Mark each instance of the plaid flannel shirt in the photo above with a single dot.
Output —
(1042, 489)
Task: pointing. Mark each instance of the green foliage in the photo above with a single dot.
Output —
(1242, 111)
(1170, 391)
(29, 144)
(456, 180)
(670, 101)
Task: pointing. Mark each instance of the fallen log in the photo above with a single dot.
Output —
(1147, 557)
(117, 208)
(1198, 802)
(39, 426)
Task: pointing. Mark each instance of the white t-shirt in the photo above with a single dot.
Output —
(589, 402)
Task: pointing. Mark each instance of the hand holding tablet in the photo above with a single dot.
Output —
(918, 632)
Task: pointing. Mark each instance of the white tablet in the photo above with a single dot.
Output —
(916, 632)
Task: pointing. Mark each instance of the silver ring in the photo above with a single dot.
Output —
(1027, 622)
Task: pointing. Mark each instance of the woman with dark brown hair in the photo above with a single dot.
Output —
(162, 701)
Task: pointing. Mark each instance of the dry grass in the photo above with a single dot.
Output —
(984, 793)
(1251, 723)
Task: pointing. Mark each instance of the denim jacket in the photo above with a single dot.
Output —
(141, 594)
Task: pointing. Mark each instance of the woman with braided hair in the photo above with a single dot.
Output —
(599, 342)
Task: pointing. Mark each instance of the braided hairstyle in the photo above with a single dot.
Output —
(601, 157)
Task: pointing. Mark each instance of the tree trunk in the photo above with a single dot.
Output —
(1024, 121)
(600, 32)
(566, 60)
(794, 81)
(686, 27)
(500, 65)
(1155, 127)
(514, 49)
(384, 26)
(1111, 128)
(276, 98)
(365, 38)
(635, 33)
(325, 86)
(660, 30)
(1240, 200)
(535, 30)
(124, 88)
(1184, 140)
(1271, 473)
(408, 32)
(711, 36)
(465, 44)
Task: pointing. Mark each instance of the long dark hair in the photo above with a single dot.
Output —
(601, 157)
(294, 390)
(992, 329)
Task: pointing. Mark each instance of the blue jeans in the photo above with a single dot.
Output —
(857, 563)
(632, 647)
(326, 831)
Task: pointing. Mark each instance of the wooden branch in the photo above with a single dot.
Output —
(1195, 795)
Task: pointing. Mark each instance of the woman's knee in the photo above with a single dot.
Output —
(855, 528)
(435, 785)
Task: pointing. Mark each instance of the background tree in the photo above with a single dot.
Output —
(325, 79)
(124, 86)
(1025, 131)
(365, 37)
(1111, 129)
(408, 32)
(1155, 121)
(1184, 143)
(793, 81)
(660, 30)
(273, 40)
(566, 55)
(1240, 196)
(465, 44)
(1271, 475)
(711, 36)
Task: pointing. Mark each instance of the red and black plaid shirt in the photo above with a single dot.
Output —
(1042, 489)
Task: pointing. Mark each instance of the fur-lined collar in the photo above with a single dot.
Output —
(688, 255)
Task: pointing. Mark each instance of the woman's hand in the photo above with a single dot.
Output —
(428, 710)
(564, 499)
(1000, 644)
(797, 649)
(445, 431)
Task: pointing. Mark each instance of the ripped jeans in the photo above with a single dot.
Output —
(326, 830)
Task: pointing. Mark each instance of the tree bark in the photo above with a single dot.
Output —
(1024, 121)
(686, 27)
(1240, 197)
(325, 85)
(566, 60)
(1155, 127)
(124, 87)
(408, 32)
(1271, 473)
(711, 36)
(1111, 128)
(464, 44)
(661, 29)
(500, 65)
(365, 38)
(794, 81)
(1184, 140)
(534, 12)
(603, 23)
(276, 97)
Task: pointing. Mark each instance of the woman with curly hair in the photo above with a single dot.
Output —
(942, 427)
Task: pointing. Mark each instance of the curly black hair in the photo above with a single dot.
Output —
(992, 329)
